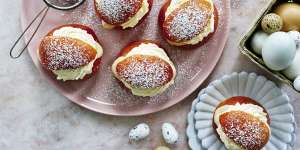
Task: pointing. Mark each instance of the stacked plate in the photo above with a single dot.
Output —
(200, 132)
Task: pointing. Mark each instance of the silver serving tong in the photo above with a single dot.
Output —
(56, 4)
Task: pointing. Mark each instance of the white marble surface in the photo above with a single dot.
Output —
(33, 116)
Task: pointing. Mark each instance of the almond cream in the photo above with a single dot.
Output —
(151, 50)
(80, 73)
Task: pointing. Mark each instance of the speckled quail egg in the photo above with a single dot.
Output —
(271, 23)
(294, 69)
(162, 148)
(297, 84)
(169, 133)
(295, 35)
(257, 41)
(278, 51)
(139, 132)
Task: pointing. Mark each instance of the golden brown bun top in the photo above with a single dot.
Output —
(65, 53)
(141, 71)
(116, 12)
(187, 21)
(245, 129)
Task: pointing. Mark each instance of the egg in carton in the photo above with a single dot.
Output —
(253, 42)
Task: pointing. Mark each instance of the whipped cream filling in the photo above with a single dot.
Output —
(206, 31)
(254, 110)
(133, 21)
(149, 49)
(79, 73)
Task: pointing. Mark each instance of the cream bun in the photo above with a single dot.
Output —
(242, 124)
(144, 68)
(122, 13)
(188, 22)
(71, 52)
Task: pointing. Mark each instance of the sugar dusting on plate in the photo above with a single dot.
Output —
(105, 88)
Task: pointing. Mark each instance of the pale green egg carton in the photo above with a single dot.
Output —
(249, 53)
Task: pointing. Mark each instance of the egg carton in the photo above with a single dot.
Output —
(246, 50)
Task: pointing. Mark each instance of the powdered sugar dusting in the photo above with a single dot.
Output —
(245, 130)
(117, 11)
(64, 53)
(144, 71)
(104, 88)
(84, 14)
(187, 23)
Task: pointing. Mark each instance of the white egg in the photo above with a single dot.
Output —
(257, 41)
(294, 69)
(297, 84)
(169, 133)
(278, 51)
(295, 35)
(139, 132)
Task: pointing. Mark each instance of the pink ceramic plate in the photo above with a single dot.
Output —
(102, 93)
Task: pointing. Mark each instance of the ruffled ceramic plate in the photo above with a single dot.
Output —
(103, 93)
(282, 122)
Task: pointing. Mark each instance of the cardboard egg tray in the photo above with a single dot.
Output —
(246, 49)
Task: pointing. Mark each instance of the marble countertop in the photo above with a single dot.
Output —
(34, 116)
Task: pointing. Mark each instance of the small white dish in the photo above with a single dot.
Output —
(200, 132)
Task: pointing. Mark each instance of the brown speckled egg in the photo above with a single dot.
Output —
(290, 14)
(271, 23)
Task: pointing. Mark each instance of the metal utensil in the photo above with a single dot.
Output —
(56, 4)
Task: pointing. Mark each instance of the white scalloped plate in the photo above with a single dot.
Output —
(200, 131)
